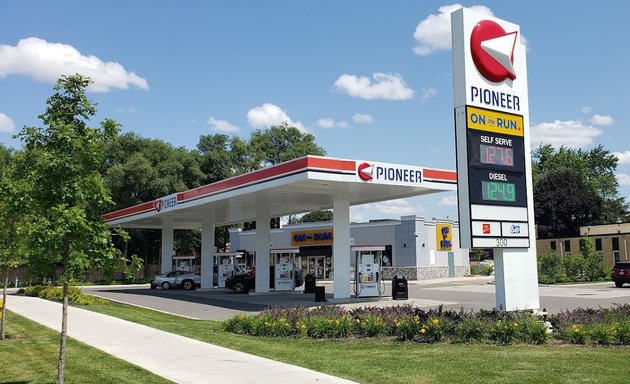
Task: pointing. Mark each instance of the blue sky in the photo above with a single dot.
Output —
(371, 80)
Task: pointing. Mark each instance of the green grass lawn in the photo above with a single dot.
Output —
(387, 361)
(30, 353)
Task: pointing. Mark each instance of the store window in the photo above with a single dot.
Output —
(598, 245)
(567, 246)
(387, 260)
(615, 247)
(553, 245)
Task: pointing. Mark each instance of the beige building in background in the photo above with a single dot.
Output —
(611, 240)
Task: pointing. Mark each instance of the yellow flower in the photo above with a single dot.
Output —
(435, 321)
(515, 325)
(423, 330)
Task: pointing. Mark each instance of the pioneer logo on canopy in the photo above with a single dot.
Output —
(165, 203)
(492, 51)
(365, 171)
(389, 173)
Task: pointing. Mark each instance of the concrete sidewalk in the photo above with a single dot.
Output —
(174, 357)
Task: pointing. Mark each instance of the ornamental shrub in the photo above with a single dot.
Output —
(505, 332)
(472, 330)
(602, 334)
(622, 332)
(407, 328)
(320, 327)
(575, 335)
(536, 332)
(372, 326)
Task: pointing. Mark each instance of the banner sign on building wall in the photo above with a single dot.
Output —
(312, 237)
(444, 237)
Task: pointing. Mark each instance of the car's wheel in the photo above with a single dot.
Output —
(188, 285)
(166, 285)
(239, 288)
(619, 284)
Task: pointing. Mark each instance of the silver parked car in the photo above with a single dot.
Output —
(176, 279)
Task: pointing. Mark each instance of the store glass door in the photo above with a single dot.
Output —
(320, 266)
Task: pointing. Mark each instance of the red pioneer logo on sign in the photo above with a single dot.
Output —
(485, 228)
(492, 51)
(158, 205)
(365, 171)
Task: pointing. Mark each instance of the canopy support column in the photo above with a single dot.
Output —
(341, 245)
(262, 247)
(167, 245)
(207, 252)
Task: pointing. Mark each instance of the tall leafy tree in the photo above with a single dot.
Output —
(62, 165)
(316, 216)
(282, 143)
(574, 188)
(13, 213)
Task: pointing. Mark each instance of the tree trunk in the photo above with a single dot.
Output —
(4, 303)
(64, 331)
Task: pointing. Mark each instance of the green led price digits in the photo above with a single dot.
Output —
(497, 191)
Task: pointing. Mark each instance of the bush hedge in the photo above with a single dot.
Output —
(56, 294)
(406, 323)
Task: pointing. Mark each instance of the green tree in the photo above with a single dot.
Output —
(282, 143)
(62, 163)
(137, 169)
(574, 188)
(563, 203)
(316, 216)
(13, 212)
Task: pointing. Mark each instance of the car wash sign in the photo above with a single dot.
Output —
(491, 132)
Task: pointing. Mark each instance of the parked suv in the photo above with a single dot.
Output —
(621, 273)
(176, 279)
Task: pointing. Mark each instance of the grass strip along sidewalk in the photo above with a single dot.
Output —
(388, 361)
(29, 355)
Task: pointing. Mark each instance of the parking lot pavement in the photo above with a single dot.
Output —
(467, 293)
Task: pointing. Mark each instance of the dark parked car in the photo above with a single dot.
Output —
(245, 282)
(621, 273)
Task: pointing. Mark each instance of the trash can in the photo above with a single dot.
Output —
(309, 283)
(320, 294)
(400, 288)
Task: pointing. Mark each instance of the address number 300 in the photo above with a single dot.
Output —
(502, 242)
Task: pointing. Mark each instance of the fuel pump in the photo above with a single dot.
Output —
(284, 270)
(225, 268)
(368, 282)
(184, 263)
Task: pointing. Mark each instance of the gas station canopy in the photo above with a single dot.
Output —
(302, 185)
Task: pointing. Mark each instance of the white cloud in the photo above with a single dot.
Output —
(428, 93)
(326, 123)
(586, 109)
(330, 123)
(46, 62)
(572, 134)
(222, 125)
(361, 118)
(623, 179)
(132, 111)
(602, 120)
(624, 157)
(6, 123)
(449, 201)
(393, 208)
(385, 86)
(268, 115)
(434, 32)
